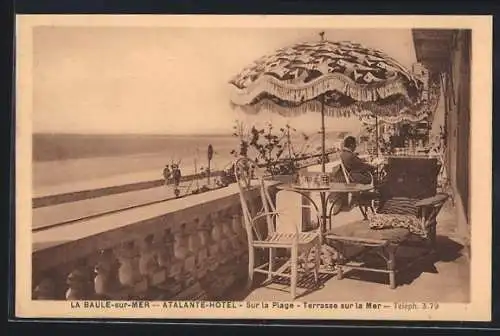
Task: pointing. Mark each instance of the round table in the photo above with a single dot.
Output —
(322, 210)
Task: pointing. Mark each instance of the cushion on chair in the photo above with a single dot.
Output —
(398, 213)
(392, 221)
(362, 230)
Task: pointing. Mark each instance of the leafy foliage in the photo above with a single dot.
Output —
(270, 147)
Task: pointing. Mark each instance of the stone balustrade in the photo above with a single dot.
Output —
(191, 248)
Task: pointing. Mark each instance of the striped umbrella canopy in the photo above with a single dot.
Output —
(339, 79)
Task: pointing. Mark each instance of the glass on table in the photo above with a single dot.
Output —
(325, 179)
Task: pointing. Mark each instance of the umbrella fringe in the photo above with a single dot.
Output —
(290, 91)
(394, 119)
(415, 113)
(312, 106)
(365, 111)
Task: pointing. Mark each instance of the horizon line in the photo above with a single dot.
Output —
(129, 133)
(153, 134)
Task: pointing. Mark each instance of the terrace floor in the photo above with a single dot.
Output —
(445, 278)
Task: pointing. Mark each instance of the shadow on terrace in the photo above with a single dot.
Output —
(443, 277)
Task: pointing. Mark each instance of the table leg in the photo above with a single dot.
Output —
(324, 211)
(327, 253)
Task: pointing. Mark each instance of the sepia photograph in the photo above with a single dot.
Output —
(254, 167)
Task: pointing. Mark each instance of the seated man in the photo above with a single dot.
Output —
(357, 168)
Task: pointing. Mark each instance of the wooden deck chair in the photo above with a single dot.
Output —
(262, 234)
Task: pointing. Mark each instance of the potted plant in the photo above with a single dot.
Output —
(272, 149)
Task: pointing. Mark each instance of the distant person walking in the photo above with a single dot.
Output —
(176, 175)
(167, 174)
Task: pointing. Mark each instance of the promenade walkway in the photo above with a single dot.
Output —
(48, 216)
(98, 183)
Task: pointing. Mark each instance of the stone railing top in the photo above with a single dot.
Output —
(73, 232)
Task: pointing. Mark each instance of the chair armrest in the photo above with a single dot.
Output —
(265, 214)
(432, 201)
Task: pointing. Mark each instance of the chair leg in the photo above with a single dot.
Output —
(271, 263)
(317, 261)
(251, 265)
(294, 271)
(362, 208)
(340, 260)
(391, 266)
(304, 258)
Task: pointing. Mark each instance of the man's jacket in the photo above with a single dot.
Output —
(353, 163)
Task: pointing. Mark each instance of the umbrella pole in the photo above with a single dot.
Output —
(323, 136)
(323, 162)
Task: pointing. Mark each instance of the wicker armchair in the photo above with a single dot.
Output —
(406, 214)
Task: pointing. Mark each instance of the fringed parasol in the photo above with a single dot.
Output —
(338, 79)
(343, 72)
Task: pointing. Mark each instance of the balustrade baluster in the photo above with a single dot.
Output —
(106, 274)
(148, 262)
(190, 263)
(181, 253)
(165, 249)
(129, 275)
(45, 290)
(224, 239)
(215, 237)
(202, 251)
(159, 274)
(126, 274)
(236, 239)
(170, 265)
(79, 282)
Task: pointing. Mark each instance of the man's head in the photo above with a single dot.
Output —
(350, 143)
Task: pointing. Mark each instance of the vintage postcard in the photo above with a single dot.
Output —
(239, 167)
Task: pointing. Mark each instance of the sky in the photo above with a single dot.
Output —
(170, 80)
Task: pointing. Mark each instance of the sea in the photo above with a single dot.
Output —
(60, 159)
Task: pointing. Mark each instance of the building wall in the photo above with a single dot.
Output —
(458, 125)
